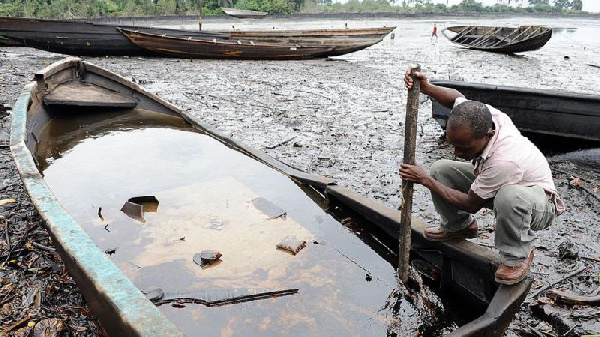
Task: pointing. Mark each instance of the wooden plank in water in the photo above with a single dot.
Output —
(87, 95)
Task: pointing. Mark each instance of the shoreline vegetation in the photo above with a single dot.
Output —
(88, 9)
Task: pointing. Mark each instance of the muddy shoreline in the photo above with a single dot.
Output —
(340, 118)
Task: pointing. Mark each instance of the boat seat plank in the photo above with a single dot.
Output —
(86, 95)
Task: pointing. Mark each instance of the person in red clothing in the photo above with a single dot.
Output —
(434, 32)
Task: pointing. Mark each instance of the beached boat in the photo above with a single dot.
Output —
(303, 254)
(219, 49)
(344, 40)
(80, 38)
(244, 13)
(374, 32)
(550, 112)
(499, 39)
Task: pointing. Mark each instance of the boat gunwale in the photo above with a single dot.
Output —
(520, 90)
(123, 309)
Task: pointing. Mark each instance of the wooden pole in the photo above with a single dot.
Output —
(410, 143)
(200, 15)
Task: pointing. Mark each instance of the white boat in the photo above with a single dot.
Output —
(243, 13)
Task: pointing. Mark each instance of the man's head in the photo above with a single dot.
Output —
(469, 129)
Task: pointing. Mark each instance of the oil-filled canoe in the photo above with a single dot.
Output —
(141, 196)
(499, 39)
(216, 49)
(549, 112)
(81, 38)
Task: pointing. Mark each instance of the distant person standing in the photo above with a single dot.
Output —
(434, 32)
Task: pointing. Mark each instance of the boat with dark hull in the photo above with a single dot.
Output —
(215, 49)
(81, 38)
(499, 39)
(548, 112)
(91, 145)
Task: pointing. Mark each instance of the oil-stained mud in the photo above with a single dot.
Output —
(343, 118)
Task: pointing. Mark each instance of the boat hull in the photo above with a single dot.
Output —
(549, 112)
(504, 40)
(465, 268)
(191, 48)
(79, 38)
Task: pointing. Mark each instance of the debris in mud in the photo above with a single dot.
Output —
(207, 258)
(567, 250)
(38, 296)
(291, 245)
(568, 297)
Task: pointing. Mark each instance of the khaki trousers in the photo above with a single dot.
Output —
(519, 210)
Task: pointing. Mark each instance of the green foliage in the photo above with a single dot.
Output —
(71, 9)
(269, 6)
(471, 6)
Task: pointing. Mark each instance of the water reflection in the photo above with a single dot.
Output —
(208, 200)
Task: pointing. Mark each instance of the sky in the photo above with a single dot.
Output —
(588, 5)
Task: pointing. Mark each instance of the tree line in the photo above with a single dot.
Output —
(71, 9)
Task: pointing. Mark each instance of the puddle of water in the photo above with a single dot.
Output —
(207, 199)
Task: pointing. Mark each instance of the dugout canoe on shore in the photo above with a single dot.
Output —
(349, 33)
(548, 112)
(499, 39)
(80, 38)
(215, 49)
(87, 143)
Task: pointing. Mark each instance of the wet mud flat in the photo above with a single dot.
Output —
(343, 118)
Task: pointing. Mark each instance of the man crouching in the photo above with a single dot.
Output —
(506, 173)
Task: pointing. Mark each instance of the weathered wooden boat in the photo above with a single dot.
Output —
(216, 49)
(86, 140)
(499, 39)
(374, 32)
(244, 13)
(7, 42)
(344, 41)
(83, 38)
(550, 112)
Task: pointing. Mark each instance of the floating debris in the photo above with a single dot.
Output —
(136, 206)
(292, 245)
(155, 294)
(111, 251)
(268, 208)
(215, 298)
(207, 258)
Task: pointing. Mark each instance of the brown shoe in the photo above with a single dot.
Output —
(438, 234)
(515, 274)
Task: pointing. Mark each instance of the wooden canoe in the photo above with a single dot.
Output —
(210, 191)
(219, 49)
(551, 112)
(499, 39)
(244, 13)
(83, 38)
(374, 32)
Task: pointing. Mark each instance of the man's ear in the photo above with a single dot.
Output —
(491, 133)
